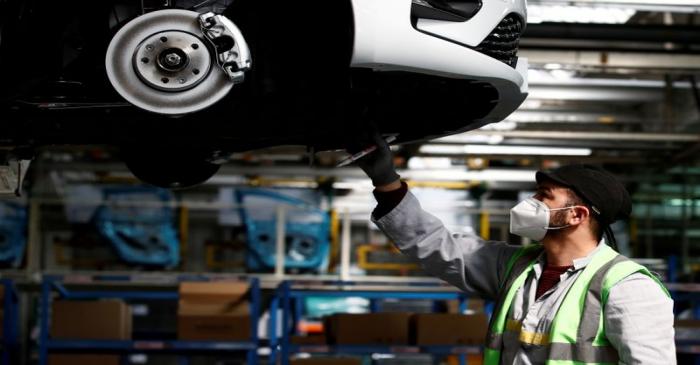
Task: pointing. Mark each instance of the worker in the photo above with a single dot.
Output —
(567, 299)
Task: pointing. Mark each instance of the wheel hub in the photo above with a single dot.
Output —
(163, 62)
(172, 61)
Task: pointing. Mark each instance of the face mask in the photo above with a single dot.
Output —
(530, 218)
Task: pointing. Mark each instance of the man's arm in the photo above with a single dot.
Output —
(639, 322)
(463, 260)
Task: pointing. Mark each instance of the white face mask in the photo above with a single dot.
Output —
(530, 218)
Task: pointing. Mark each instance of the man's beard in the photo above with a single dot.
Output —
(558, 219)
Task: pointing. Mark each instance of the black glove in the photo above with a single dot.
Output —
(378, 164)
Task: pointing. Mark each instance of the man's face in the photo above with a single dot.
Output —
(554, 196)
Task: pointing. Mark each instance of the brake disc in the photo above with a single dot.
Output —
(176, 61)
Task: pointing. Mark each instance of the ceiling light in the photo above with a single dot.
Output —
(531, 104)
(503, 150)
(658, 6)
(505, 125)
(462, 174)
(578, 14)
(354, 184)
(492, 139)
(684, 202)
(563, 74)
(429, 163)
(553, 66)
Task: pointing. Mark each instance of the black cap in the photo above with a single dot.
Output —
(606, 195)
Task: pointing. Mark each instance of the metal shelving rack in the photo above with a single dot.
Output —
(180, 347)
(684, 292)
(691, 293)
(10, 321)
(290, 294)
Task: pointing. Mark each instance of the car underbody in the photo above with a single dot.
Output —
(300, 90)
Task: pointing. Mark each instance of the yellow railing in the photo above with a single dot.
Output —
(363, 262)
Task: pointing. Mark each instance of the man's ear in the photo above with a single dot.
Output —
(579, 214)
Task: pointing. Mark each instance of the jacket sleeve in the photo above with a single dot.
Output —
(463, 260)
(639, 322)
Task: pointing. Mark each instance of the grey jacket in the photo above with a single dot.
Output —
(638, 315)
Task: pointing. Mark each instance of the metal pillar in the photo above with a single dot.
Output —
(280, 242)
(685, 241)
(345, 247)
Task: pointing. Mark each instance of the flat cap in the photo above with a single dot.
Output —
(606, 195)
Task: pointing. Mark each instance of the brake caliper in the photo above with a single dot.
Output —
(232, 52)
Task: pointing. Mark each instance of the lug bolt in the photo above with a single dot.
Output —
(172, 59)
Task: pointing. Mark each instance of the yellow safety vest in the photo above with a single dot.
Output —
(577, 335)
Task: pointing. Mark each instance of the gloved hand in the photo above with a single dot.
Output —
(378, 164)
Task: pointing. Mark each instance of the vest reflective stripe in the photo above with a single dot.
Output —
(582, 354)
(584, 350)
(576, 333)
(530, 338)
(625, 269)
(513, 325)
(533, 338)
(590, 319)
(520, 262)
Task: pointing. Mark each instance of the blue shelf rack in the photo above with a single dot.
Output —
(689, 293)
(52, 284)
(10, 328)
(290, 295)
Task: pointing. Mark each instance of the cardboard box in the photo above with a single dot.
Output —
(474, 305)
(687, 323)
(472, 359)
(214, 311)
(212, 322)
(326, 361)
(687, 329)
(368, 329)
(83, 359)
(93, 320)
(429, 329)
(213, 291)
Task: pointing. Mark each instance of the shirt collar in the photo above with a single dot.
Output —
(582, 262)
(579, 263)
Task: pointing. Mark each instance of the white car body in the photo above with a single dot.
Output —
(385, 40)
(185, 83)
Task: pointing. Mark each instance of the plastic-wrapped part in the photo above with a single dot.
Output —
(307, 231)
(13, 238)
(138, 223)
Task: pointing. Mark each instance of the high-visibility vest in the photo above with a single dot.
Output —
(577, 334)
